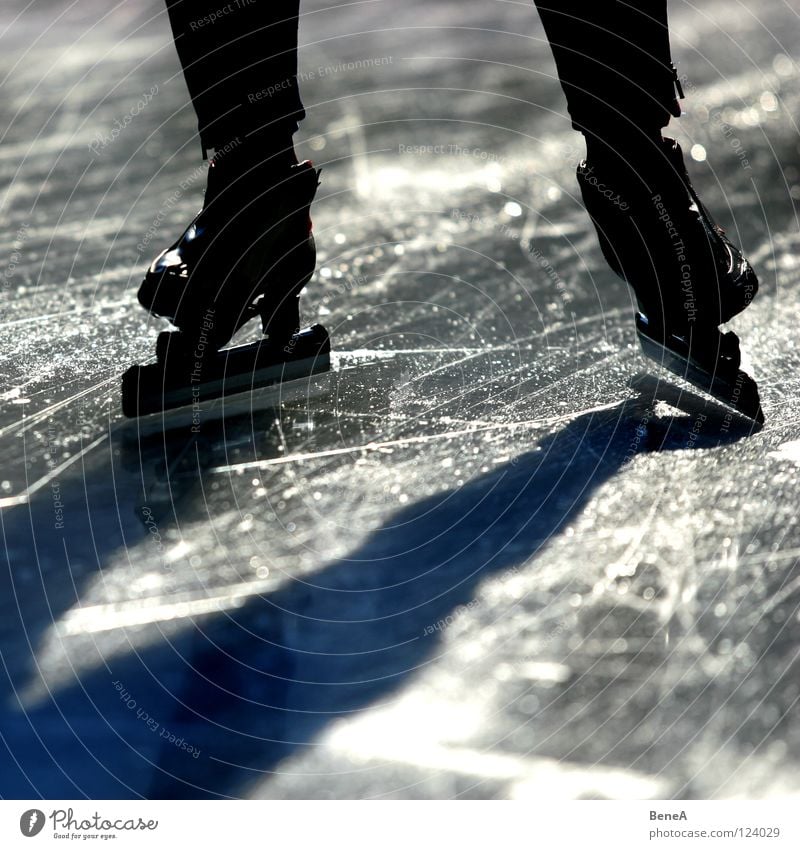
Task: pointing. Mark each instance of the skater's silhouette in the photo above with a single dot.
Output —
(249, 252)
(248, 687)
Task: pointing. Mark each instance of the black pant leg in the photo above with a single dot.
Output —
(240, 64)
(613, 61)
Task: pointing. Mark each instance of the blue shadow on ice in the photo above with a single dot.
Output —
(237, 693)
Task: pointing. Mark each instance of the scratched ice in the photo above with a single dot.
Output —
(484, 556)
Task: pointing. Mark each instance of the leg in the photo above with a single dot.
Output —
(240, 67)
(240, 64)
(249, 252)
(614, 65)
(613, 60)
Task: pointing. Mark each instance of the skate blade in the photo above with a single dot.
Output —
(154, 389)
(311, 385)
(729, 385)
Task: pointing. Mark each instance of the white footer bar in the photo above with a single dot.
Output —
(401, 825)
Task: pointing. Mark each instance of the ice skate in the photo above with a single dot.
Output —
(688, 278)
(247, 255)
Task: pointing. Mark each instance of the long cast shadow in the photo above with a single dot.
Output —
(268, 679)
(239, 692)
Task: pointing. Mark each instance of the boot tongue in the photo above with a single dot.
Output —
(238, 179)
(671, 180)
(655, 167)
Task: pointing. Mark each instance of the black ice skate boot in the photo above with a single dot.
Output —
(688, 278)
(247, 255)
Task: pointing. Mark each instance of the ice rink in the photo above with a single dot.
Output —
(493, 553)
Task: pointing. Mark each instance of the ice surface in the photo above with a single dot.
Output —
(488, 555)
